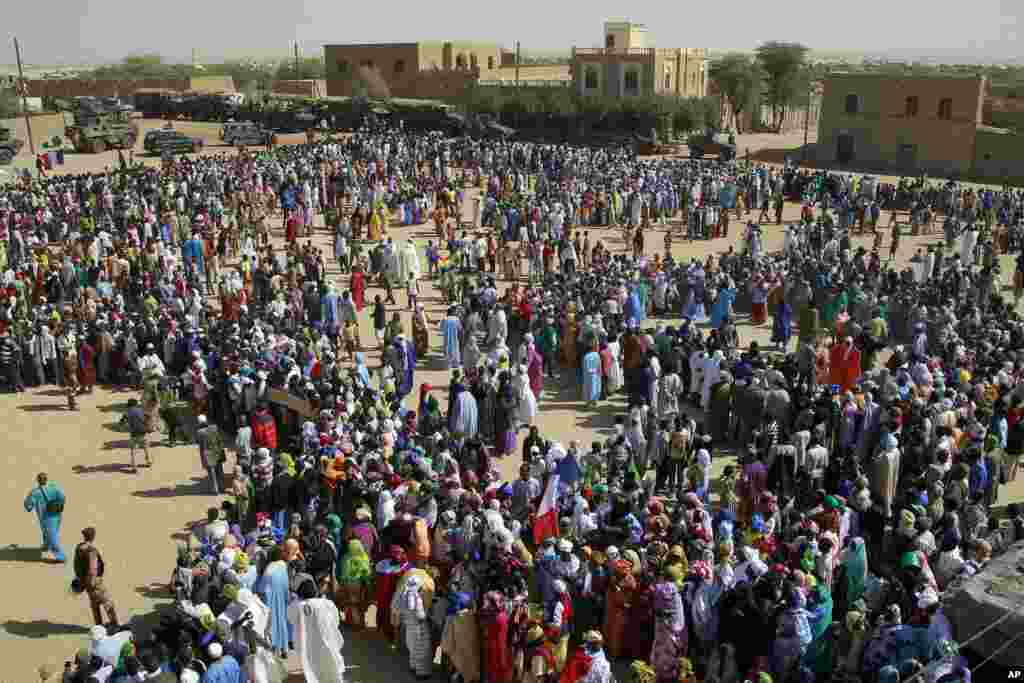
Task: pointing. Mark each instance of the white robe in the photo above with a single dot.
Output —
(526, 410)
(615, 378)
(408, 263)
(318, 640)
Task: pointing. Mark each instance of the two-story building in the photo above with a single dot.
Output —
(628, 66)
(906, 124)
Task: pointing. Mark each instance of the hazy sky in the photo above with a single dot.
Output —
(76, 31)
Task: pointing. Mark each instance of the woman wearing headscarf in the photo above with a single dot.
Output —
(505, 422)
(820, 654)
(460, 639)
(854, 563)
(526, 401)
(420, 331)
(388, 572)
(362, 373)
(412, 613)
(592, 372)
(273, 589)
(355, 579)
(621, 588)
(793, 635)
(640, 637)
(670, 634)
(497, 656)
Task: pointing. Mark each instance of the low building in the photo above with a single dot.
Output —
(422, 69)
(904, 124)
(628, 66)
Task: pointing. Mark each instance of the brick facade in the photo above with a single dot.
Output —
(901, 124)
(428, 69)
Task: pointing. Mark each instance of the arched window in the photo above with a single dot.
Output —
(399, 66)
(946, 108)
(460, 62)
(668, 81)
(590, 78)
(490, 62)
(911, 106)
(852, 104)
(472, 61)
(609, 42)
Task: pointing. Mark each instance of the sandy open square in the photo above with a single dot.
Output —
(139, 517)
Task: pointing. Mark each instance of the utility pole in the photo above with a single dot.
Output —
(23, 87)
(517, 67)
(297, 76)
(807, 119)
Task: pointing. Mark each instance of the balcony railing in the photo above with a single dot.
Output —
(614, 51)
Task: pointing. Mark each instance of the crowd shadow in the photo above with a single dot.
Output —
(118, 407)
(51, 392)
(197, 487)
(105, 468)
(45, 408)
(17, 553)
(116, 444)
(41, 628)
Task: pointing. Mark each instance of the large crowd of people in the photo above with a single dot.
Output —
(871, 437)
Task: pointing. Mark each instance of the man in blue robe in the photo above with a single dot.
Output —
(408, 352)
(591, 377)
(329, 312)
(451, 330)
(192, 255)
(45, 500)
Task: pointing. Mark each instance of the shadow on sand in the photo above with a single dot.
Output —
(42, 629)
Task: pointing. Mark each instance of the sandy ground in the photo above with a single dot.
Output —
(140, 516)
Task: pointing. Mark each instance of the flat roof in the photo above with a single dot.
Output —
(371, 45)
(902, 76)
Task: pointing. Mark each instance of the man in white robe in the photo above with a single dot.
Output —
(408, 262)
(318, 639)
(712, 372)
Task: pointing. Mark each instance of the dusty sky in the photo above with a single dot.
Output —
(86, 31)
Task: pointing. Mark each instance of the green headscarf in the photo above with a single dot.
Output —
(355, 567)
(287, 463)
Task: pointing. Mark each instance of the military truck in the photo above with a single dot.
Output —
(710, 142)
(9, 146)
(92, 127)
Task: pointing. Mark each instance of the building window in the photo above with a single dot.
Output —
(367, 64)
(668, 81)
(399, 66)
(910, 107)
(632, 82)
(490, 62)
(472, 61)
(590, 78)
(609, 42)
(852, 104)
(460, 62)
(344, 68)
(946, 108)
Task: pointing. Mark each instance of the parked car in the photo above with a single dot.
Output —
(170, 141)
(710, 142)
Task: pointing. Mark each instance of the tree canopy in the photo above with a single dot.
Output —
(786, 76)
(738, 77)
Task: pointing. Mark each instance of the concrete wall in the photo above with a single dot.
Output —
(999, 155)
(312, 87)
(886, 136)
(80, 87)
(44, 128)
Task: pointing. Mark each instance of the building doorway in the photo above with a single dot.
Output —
(906, 158)
(844, 148)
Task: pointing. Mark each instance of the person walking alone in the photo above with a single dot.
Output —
(47, 501)
(211, 453)
(89, 570)
(136, 421)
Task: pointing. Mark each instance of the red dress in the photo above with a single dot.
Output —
(86, 366)
(358, 287)
(384, 590)
(497, 662)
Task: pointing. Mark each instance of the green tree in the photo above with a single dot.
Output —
(308, 68)
(785, 76)
(738, 78)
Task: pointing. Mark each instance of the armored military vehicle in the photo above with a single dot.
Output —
(92, 127)
(710, 142)
(9, 146)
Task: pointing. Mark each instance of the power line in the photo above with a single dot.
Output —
(998, 650)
